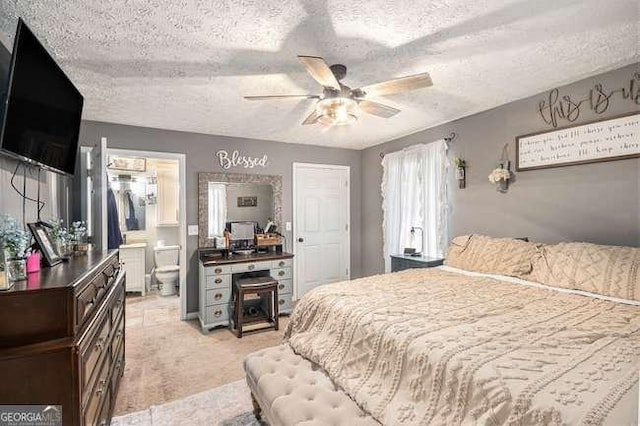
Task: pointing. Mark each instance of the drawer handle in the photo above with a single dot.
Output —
(217, 313)
(281, 263)
(281, 273)
(218, 296)
(218, 280)
(251, 267)
(281, 302)
(281, 286)
(101, 386)
(100, 344)
(217, 270)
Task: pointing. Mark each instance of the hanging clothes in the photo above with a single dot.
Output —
(131, 221)
(114, 236)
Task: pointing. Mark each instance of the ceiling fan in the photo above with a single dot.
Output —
(338, 104)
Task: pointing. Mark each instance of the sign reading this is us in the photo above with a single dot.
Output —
(235, 159)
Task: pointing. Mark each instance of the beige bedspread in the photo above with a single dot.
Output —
(435, 347)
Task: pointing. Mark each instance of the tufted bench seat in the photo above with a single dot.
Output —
(289, 390)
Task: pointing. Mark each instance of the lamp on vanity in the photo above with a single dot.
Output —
(413, 231)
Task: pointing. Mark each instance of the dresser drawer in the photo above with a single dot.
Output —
(92, 354)
(117, 335)
(217, 296)
(99, 394)
(89, 296)
(216, 313)
(103, 418)
(118, 369)
(86, 302)
(285, 286)
(217, 270)
(218, 281)
(282, 263)
(284, 303)
(117, 304)
(250, 266)
(281, 273)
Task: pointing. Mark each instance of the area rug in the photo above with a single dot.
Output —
(227, 405)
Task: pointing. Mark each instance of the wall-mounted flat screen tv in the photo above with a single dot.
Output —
(43, 108)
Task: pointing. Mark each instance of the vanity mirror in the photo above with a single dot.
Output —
(236, 197)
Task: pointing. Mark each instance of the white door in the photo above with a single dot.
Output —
(321, 225)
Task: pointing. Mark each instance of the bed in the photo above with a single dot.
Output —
(469, 343)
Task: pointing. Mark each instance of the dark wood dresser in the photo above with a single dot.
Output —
(62, 336)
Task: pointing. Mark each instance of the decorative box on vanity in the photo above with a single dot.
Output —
(62, 338)
(216, 275)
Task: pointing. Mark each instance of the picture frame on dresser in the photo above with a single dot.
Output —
(43, 239)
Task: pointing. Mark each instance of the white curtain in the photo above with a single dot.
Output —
(217, 208)
(414, 193)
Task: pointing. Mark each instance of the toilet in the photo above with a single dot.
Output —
(167, 269)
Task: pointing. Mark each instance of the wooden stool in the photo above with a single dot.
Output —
(266, 303)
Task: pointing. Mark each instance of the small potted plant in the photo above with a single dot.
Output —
(500, 177)
(15, 244)
(78, 232)
(62, 238)
(461, 165)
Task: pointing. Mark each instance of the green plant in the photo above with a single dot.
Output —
(58, 232)
(459, 162)
(15, 240)
(78, 230)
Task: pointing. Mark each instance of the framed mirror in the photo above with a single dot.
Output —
(236, 197)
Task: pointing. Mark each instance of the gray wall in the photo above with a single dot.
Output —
(261, 213)
(200, 157)
(591, 202)
(54, 192)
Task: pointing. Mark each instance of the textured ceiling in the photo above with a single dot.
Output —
(186, 64)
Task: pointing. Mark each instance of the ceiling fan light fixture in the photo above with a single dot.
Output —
(337, 111)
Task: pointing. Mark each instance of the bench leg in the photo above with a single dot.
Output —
(256, 407)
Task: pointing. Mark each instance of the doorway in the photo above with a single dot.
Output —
(322, 229)
(153, 188)
(147, 221)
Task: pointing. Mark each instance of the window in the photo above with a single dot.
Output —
(217, 209)
(414, 192)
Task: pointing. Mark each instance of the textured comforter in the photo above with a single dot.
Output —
(435, 347)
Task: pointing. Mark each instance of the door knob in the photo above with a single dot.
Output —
(301, 240)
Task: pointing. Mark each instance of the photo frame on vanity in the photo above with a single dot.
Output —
(41, 234)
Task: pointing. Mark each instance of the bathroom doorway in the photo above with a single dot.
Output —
(149, 189)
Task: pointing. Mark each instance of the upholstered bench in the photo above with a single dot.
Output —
(288, 390)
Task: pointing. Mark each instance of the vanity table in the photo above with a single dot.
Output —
(217, 274)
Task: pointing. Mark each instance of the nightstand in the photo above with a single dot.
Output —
(401, 262)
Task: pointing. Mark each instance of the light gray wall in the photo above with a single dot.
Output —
(54, 192)
(591, 202)
(200, 157)
(261, 213)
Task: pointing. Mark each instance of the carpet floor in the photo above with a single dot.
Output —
(167, 359)
(227, 405)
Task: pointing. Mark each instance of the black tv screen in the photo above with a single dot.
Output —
(43, 108)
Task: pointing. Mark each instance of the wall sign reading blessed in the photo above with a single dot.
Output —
(606, 140)
(237, 160)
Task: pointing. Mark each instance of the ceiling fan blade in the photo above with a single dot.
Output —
(311, 118)
(320, 71)
(375, 108)
(268, 97)
(397, 85)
